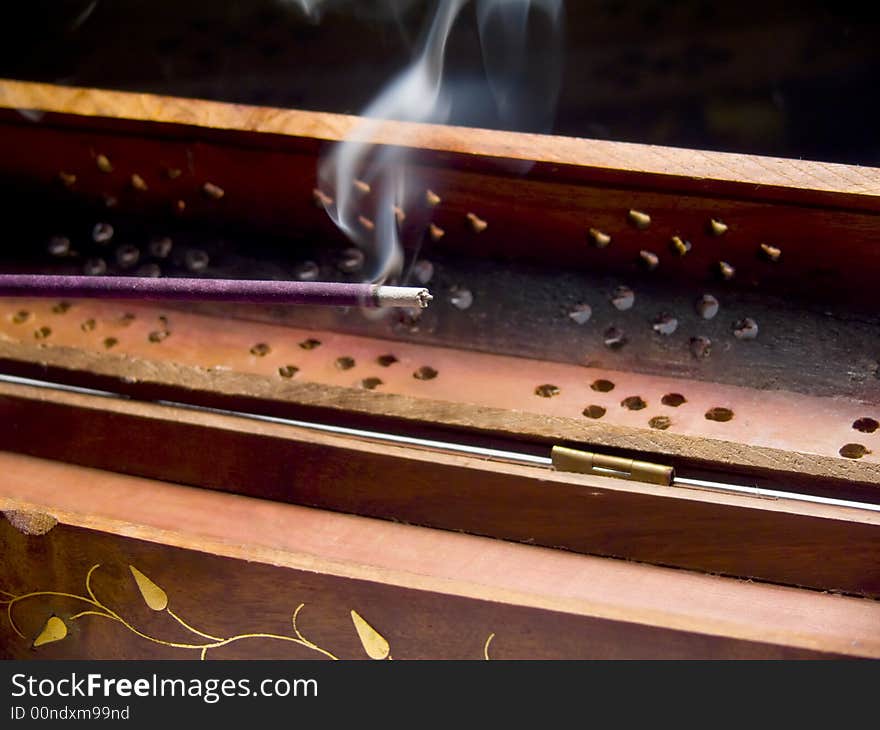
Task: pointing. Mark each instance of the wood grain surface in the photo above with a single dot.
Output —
(827, 548)
(824, 218)
(779, 463)
(528, 188)
(697, 170)
(231, 567)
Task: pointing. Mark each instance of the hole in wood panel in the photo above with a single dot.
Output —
(423, 270)
(158, 335)
(345, 362)
(745, 329)
(461, 298)
(149, 270)
(261, 349)
(59, 246)
(215, 192)
(707, 306)
(660, 422)
(43, 332)
(21, 316)
(679, 245)
(769, 253)
(288, 371)
(547, 390)
(386, 360)
(95, 266)
(700, 347)
(614, 338)
(639, 219)
(719, 414)
(426, 372)
(127, 255)
(594, 411)
(350, 261)
(599, 238)
(310, 344)
(717, 227)
(633, 403)
(196, 260)
(725, 270)
(161, 246)
(602, 385)
(110, 342)
(407, 320)
(866, 425)
(623, 298)
(648, 260)
(88, 325)
(61, 307)
(581, 313)
(665, 324)
(102, 232)
(673, 400)
(478, 225)
(371, 383)
(853, 451)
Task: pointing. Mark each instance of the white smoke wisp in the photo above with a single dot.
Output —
(419, 94)
(314, 9)
(522, 58)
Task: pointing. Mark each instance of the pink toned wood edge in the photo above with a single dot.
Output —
(433, 560)
(696, 165)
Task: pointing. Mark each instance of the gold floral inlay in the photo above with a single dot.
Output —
(56, 628)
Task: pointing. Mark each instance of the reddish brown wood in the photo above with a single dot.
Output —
(781, 541)
(823, 217)
(801, 179)
(207, 360)
(231, 565)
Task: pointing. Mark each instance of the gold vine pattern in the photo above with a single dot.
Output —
(55, 629)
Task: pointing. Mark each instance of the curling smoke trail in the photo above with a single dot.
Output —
(419, 94)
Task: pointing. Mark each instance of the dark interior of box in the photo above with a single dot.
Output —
(534, 284)
(751, 77)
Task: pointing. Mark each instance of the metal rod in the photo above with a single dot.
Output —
(216, 290)
(771, 493)
(450, 447)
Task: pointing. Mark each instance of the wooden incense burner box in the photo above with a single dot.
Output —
(167, 493)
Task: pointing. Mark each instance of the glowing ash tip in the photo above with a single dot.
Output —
(401, 296)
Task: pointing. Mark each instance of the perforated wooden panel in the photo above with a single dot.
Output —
(824, 426)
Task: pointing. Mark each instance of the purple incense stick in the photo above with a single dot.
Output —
(214, 290)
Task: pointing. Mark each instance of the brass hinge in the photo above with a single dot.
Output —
(589, 462)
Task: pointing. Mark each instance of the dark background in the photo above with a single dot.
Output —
(769, 77)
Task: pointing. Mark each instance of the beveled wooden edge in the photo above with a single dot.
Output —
(213, 387)
(784, 541)
(751, 176)
(424, 456)
(437, 561)
(220, 421)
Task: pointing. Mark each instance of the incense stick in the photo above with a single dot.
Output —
(214, 290)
